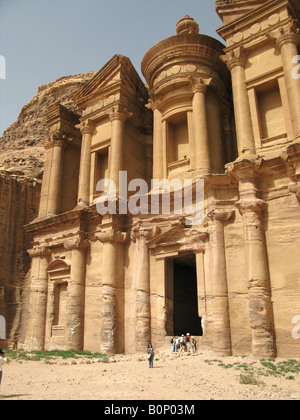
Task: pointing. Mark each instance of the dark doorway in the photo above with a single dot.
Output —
(182, 296)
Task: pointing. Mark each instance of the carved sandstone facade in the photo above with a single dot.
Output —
(227, 115)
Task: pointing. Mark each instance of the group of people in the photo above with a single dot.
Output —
(184, 343)
(179, 344)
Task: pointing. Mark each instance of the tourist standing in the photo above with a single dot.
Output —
(188, 342)
(173, 342)
(2, 361)
(194, 345)
(177, 345)
(182, 344)
(150, 355)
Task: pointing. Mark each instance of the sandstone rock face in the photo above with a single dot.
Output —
(19, 198)
(21, 146)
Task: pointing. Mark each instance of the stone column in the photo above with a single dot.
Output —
(36, 327)
(111, 242)
(158, 153)
(76, 294)
(221, 318)
(86, 128)
(251, 208)
(118, 116)
(142, 279)
(288, 46)
(260, 304)
(236, 61)
(200, 129)
(51, 187)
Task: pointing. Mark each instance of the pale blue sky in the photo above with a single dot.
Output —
(43, 40)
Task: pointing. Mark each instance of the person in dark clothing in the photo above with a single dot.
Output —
(150, 355)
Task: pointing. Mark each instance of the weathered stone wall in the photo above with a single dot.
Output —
(19, 198)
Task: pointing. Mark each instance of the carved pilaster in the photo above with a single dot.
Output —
(51, 187)
(251, 207)
(260, 304)
(86, 127)
(113, 263)
(76, 285)
(220, 304)
(200, 127)
(141, 277)
(287, 43)
(236, 61)
(36, 326)
(118, 115)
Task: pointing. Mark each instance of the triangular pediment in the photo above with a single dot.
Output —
(229, 11)
(118, 73)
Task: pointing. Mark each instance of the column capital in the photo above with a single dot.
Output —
(76, 243)
(86, 127)
(290, 37)
(296, 190)
(220, 215)
(56, 139)
(255, 205)
(235, 58)
(144, 233)
(245, 167)
(39, 251)
(119, 112)
(112, 235)
(200, 84)
(155, 100)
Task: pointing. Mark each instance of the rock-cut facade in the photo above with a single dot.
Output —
(222, 116)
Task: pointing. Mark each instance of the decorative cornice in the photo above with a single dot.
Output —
(75, 217)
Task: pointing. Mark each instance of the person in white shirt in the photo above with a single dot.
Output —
(2, 361)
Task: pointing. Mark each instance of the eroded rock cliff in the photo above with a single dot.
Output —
(21, 171)
(21, 146)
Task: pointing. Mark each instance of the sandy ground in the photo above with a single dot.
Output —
(174, 377)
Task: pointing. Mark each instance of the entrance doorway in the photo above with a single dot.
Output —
(182, 296)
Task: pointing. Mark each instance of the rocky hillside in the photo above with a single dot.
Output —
(21, 147)
(21, 161)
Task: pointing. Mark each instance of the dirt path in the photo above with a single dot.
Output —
(174, 377)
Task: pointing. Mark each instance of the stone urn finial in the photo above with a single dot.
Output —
(187, 25)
